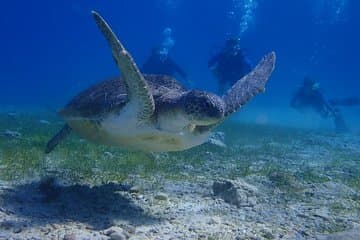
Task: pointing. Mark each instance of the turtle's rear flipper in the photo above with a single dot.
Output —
(250, 85)
(59, 136)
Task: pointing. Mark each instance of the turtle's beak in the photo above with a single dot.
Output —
(208, 116)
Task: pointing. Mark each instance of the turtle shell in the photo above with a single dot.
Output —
(111, 96)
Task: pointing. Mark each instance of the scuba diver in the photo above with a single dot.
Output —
(159, 61)
(230, 64)
(310, 96)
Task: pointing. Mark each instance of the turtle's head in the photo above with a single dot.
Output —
(203, 108)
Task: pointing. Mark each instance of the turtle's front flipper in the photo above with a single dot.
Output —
(138, 89)
(61, 135)
(250, 85)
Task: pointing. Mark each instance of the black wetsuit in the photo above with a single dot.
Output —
(156, 65)
(306, 96)
(229, 67)
(314, 99)
(352, 101)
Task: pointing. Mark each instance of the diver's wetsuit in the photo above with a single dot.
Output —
(229, 67)
(308, 96)
(352, 101)
(305, 97)
(348, 102)
(156, 65)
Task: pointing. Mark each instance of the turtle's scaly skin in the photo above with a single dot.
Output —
(250, 85)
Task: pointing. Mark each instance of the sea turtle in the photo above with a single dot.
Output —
(152, 113)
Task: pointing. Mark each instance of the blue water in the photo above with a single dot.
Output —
(50, 50)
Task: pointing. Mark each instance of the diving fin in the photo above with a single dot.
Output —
(59, 136)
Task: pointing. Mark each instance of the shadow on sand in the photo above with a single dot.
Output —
(95, 206)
